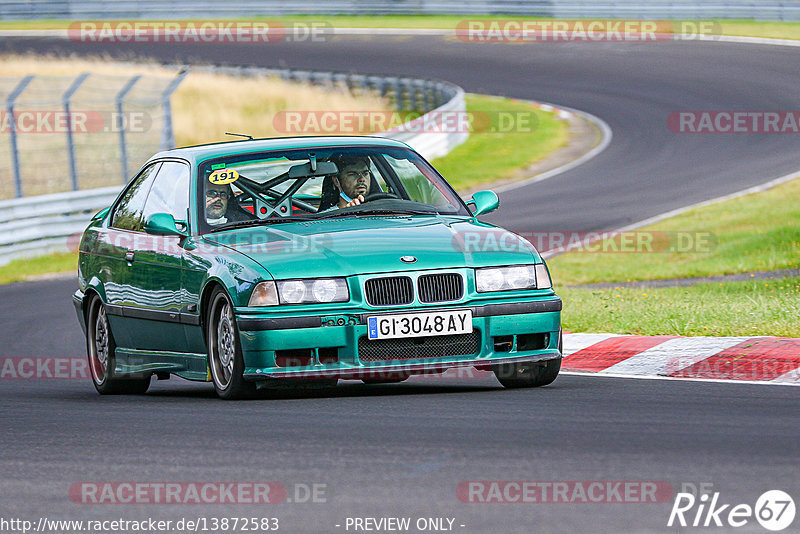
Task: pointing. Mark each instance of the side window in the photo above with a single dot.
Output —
(170, 192)
(128, 213)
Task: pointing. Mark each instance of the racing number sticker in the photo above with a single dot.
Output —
(223, 176)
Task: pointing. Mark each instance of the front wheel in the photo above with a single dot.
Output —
(101, 349)
(224, 353)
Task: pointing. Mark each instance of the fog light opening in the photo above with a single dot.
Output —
(503, 343)
(328, 355)
(532, 341)
(294, 357)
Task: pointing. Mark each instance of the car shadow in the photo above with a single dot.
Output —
(177, 389)
(344, 389)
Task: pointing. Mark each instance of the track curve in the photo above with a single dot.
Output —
(646, 170)
(403, 449)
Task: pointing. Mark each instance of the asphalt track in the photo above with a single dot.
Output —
(402, 450)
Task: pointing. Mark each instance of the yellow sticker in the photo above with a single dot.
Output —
(223, 176)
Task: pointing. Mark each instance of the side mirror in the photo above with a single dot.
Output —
(101, 214)
(162, 224)
(484, 202)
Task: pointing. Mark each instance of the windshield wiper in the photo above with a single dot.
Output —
(383, 211)
(398, 212)
(259, 222)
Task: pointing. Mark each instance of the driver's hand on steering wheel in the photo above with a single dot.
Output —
(355, 202)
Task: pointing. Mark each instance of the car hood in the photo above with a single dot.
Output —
(347, 246)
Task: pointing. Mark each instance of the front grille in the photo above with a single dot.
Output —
(440, 287)
(389, 291)
(379, 350)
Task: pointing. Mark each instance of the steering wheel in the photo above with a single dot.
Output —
(379, 195)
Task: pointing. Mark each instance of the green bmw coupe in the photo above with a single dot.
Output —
(262, 263)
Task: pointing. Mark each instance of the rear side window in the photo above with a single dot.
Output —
(170, 192)
(128, 213)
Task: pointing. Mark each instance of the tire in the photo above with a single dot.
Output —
(101, 350)
(224, 350)
(529, 374)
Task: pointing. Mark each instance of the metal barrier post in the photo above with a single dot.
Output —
(167, 135)
(123, 148)
(73, 171)
(427, 100)
(13, 131)
(398, 95)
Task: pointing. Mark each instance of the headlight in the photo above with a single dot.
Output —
(325, 290)
(292, 291)
(513, 277)
(264, 294)
(314, 290)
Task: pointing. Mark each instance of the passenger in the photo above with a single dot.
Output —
(222, 207)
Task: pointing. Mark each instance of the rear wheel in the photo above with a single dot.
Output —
(224, 352)
(101, 349)
(529, 374)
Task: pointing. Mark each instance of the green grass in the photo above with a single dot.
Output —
(749, 28)
(757, 232)
(765, 307)
(24, 269)
(753, 233)
(490, 156)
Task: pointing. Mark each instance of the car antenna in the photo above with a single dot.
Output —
(250, 137)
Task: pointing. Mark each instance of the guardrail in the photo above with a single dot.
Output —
(32, 226)
(82, 131)
(137, 9)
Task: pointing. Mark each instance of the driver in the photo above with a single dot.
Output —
(353, 181)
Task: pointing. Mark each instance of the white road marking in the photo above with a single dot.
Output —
(673, 355)
(575, 342)
(792, 378)
(655, 377)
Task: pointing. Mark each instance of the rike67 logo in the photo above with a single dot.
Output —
(774, 510)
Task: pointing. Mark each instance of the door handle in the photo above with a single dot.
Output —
(129, 256)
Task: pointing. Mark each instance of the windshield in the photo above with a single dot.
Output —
(293, 185)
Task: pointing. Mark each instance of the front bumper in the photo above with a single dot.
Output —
(329, 343)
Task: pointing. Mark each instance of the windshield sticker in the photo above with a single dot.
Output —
(217, 166)
(223, 176)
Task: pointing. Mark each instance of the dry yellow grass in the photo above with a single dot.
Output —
(207, 105)
(22, 65)
(204, 107)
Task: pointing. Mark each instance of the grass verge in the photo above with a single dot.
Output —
(763, 307)
(751, 233)
(490, 156)
(756, 232)
(25, 269)
(746, 28)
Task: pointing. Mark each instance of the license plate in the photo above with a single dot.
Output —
(440, 323)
